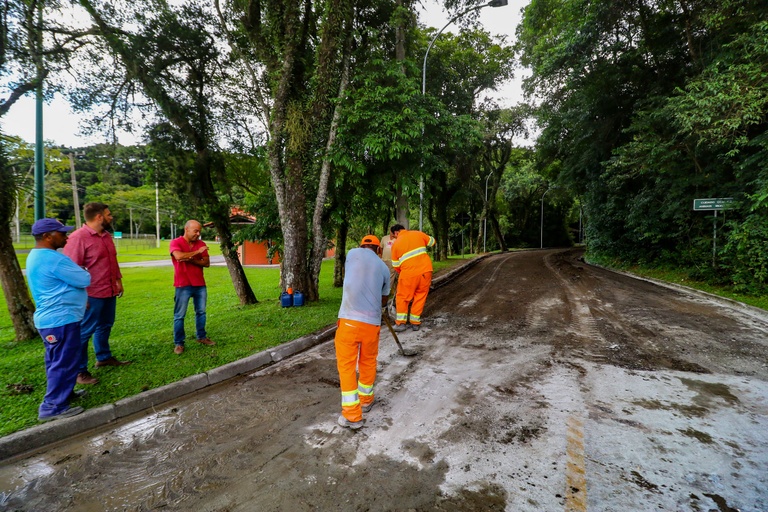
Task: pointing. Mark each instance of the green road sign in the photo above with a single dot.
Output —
(716, 203)
(118, 234)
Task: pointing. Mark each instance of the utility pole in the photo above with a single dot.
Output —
(16, 217)
(39, 155)
(157, 214)
(75, 197)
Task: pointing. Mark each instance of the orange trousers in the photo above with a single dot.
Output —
(412, 288)
(357, 347)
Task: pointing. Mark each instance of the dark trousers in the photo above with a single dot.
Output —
(62, 361)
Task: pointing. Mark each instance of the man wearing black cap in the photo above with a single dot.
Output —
(58, 287)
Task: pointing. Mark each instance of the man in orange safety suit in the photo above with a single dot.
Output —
(366, 290)
(414, 266)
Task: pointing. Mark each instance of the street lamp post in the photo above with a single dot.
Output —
(542, 216)
(492, 3)
(39, 148)
(485, 218)
(75, 197)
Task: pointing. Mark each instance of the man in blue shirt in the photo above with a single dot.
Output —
(366, 290)
(58, 287)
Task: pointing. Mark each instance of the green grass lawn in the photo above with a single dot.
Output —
(682, 277)
(143, 333)
(133, 250)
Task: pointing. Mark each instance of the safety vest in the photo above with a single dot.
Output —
(409, 252)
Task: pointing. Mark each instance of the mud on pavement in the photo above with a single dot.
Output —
(540, 384)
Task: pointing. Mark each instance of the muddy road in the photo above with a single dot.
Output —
(540, 384)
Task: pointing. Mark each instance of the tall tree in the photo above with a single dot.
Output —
(33, 47)
(17, 298)
(648, 106)
(470, 134)
(175, 58)
(296, 55)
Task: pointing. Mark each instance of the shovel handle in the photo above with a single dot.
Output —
(392, 330)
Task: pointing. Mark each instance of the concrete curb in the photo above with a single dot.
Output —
(37, 437)
(443, 279)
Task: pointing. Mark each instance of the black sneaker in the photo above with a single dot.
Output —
(78, 393)
(415, 327)
(72, 411)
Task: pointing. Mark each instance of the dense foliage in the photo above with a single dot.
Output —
(647, 106)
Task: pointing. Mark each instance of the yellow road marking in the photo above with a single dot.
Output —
(575, 470)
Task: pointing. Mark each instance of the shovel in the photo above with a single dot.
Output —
(409, 353)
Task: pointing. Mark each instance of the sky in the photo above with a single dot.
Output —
(61, 125)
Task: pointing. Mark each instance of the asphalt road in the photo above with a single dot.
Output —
(540, 384)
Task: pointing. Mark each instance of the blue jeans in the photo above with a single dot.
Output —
(199, 295)
(97, 322)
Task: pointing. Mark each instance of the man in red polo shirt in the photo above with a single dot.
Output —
(91, 247)
(190, 256)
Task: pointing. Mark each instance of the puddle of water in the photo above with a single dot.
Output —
(45, 464)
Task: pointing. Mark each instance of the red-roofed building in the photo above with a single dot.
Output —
(251, 253)
(256, 253)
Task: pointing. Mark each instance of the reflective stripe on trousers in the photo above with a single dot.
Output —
(365, 391)
(414, 288)
(357, 347)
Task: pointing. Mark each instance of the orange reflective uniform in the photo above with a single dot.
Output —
(366, 285)
(353, 338)
(411, 261)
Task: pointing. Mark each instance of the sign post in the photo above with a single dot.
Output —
(117, 235)
(715, 204)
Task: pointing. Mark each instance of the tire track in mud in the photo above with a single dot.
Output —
(488, 279)
(580, 323)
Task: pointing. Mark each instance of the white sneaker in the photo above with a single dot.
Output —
(354, 425)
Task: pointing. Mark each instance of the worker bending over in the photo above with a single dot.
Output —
(414, 266)
(366, 289)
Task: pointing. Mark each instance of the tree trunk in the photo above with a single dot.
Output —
(319, 242)
(439, 216)
(236, 271)
(401, 208)
(17, 297)
(193, 126)
(219, 213)
(401, 201)
(494, 222)
(341, 253)
(294, 265)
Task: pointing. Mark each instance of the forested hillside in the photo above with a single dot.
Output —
(646, 106)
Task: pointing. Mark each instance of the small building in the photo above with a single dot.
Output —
(256, 253)
(250, 253)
